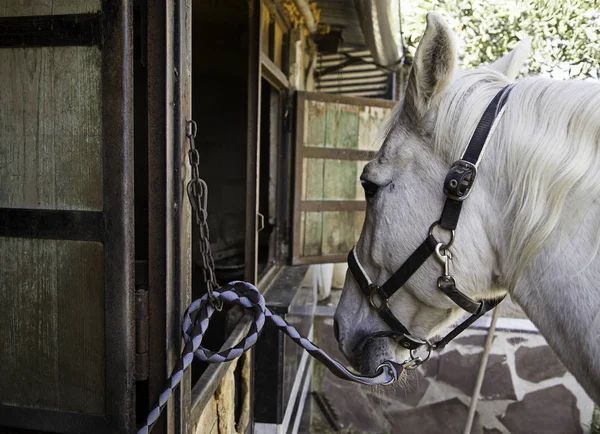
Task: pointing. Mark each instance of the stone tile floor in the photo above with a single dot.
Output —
(526, 390)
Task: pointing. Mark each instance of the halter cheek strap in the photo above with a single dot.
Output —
(457, 187)
(461, 176)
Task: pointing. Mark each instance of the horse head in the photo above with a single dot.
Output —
(403, 189)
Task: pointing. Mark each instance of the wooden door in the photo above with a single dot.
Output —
(66, 216)
(335, 137)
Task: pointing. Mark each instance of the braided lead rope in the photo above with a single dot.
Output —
(195, 323)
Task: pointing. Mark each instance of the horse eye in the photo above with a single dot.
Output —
(369, 187)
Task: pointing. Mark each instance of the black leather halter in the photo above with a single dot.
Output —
(457, 187)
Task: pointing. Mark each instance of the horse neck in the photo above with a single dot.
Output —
(557, 286)
(558, 290)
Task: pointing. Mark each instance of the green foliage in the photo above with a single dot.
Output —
(566, 33)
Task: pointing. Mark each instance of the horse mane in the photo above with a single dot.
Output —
(549, 137)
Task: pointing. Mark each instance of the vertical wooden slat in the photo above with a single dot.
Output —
(338, 232)
(342, 126)
(339, 179)
(118, 180)
(313, 233)
(314, 179)
(256, 37)
(184, 265)
(371, 120)
(157, 204)
(80, 326)
(315, 123)
(28, 319)
(14, 8)
(51, 317)
(50, 128)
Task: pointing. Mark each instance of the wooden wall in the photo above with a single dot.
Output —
(51, 291)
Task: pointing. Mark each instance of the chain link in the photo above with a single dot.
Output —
(197, 191)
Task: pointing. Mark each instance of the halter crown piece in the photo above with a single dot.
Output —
(457, 187)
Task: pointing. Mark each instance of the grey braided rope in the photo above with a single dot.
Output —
(195, 323)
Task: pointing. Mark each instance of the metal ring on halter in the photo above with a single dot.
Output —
(388, 364)
(415, 361)
(384, 301)
(447, 245)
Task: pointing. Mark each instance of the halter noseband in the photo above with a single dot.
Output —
(457, 187)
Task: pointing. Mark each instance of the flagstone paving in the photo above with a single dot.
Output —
(526, 390)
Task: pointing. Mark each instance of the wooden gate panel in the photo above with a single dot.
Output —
(66, 216)
(51, 128)
(335, 137)
(52, 299)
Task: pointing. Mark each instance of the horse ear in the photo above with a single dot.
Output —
(433, 65)
(511, 63)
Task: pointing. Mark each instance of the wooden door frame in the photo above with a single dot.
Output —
(169, 212)
(114, 227)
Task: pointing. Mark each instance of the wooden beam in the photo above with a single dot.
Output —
(273, 74)
(52, 224)
(51, 31)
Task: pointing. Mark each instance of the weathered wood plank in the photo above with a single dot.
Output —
(51, 321)
(313, 233)
(28, 320)
(50, 128)
(315, 123)
(80, 271)
(340, 179)
(23, 8)
(313, 187)
(342, 126)
(338, 232)
(371, 120)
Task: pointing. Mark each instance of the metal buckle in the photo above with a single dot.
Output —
(442, 246)
(415, 361)
(384, 302)
(410, 342)
(459, 180)
(389, 366)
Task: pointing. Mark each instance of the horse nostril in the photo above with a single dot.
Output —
(336, 330)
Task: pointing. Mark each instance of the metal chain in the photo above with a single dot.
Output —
(197, 316)
(197, 191)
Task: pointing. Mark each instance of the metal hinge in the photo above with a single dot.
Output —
(141, 321)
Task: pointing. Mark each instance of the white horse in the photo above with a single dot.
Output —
(530, 227)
